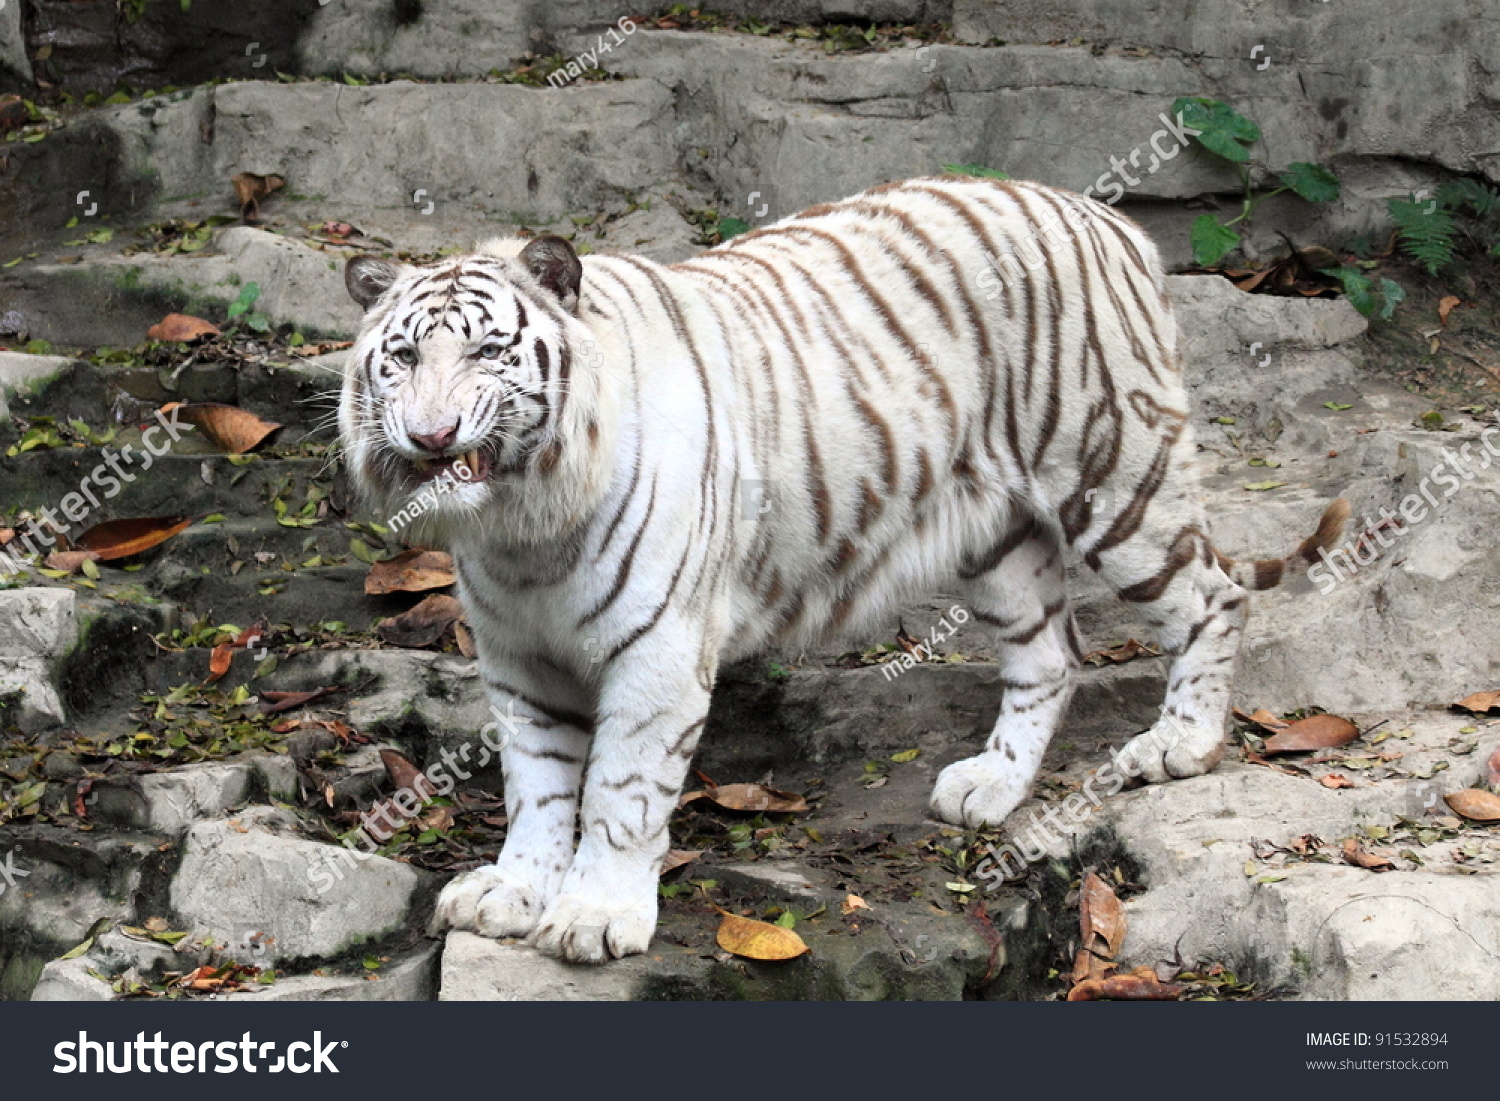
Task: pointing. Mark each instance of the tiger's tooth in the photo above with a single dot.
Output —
(423, 465)
(471, 460)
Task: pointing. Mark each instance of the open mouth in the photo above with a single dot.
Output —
(471, 466)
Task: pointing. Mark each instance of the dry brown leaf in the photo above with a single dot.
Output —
(122, 538)
(1313, 732)
(1101, 924)
(250, 189)
(676, 858)
(1492, 769)
(1126, 651)
(852, 903)
(465, 639)
(219, 661)
(181, 327)
(414, 571)
(227, 427)
(69, 561)
(1475, 804)
(405, 774)
(1446, 305)
(758, 940)
(1262, 718)
(1356, 855)
(1479, 702)
(436, 818)
(1141, 985)
(272, 702)
(423, 625)
(751, 798)
(13, 113)
(1335, 780)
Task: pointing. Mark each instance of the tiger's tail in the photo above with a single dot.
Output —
(1267, 573)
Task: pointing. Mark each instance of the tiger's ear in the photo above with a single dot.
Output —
(553, 263)
(368, 277)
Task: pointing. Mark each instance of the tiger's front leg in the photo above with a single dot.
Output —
(543, 742)
(651, 713)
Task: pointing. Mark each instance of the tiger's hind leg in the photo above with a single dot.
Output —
(1169, 570)
(1019, 590)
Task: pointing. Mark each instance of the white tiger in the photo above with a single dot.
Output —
(911, 422)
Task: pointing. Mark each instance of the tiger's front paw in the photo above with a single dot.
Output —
(980, 791)
(591, 928)
(490, 901)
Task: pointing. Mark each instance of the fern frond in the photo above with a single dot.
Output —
(1464, 192)
(1426, 231)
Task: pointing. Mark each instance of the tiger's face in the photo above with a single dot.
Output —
(456, 379)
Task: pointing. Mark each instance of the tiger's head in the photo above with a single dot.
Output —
(467, 390)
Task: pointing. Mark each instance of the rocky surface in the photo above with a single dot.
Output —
(419, 148)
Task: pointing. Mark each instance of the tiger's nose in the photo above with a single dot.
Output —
(440, 440)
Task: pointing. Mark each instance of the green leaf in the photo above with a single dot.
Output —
(88, 940)
(1313, 182)
(1337, 407)
(787, 920)
(976, 170)
(1393, 294)
(732, 227)
(1261, 487)
(1221, 129)
(1211, 241)
(905, 755)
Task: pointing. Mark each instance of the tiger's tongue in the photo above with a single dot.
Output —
(476, 466)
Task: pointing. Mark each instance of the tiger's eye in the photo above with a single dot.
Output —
(490, 351)
(407, 357)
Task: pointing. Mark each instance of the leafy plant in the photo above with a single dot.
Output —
(249, 293)
(1428, 227)
(976, 170)
(1368, 296)
(1226, 133)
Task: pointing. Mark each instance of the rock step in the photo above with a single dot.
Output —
(739, 114)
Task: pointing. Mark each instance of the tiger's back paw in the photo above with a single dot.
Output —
(1172, 751)
(489, 901)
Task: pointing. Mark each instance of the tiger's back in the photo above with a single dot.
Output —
(893, 396)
